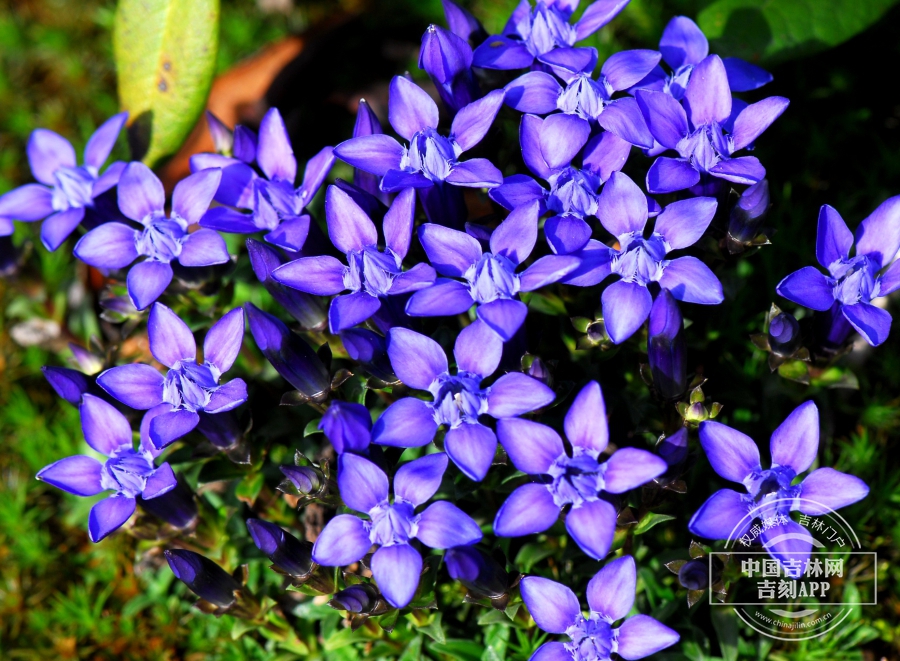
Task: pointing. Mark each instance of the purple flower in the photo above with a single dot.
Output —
(583, 97)
(852, 283)
(771, 492)
(458, 400)
(392, 525)
(276, 206)
(287, 553)
(367, 124)
(348, 426)
(188, 390)
(533, 32)
(462, 23)
(490, 278)
(303, 307)
(610, 596)
(697, 131)
(430, 163)
(666, 350)
(66, 191)
(683, 46)
(204, 577)
(163, 239)
(370, 274)
(638, 261)
(578, 479)
(447, 59)
(128, 472)
(548, 147)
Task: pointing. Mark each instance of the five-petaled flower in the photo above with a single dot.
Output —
(431, 161)
(592, 637)
(66, 192)
(580, 479)
(771, 492)
(370, 274)
(697, 131)
(392, 524)
(189, 389)
(163, 239)
(459, 399)
(852, 283)
(128, 472)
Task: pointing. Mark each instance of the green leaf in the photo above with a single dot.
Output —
(649, 521)
(530, 554)
(496, 640)
(725, 623)
(165, 53)
(433, 629)
(794, 370)
(312, 427)
(772, 31)
(249, 488)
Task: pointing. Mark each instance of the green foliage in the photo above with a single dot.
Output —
(165, 52)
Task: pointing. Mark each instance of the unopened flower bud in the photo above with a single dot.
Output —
(749, 212)
(204, 577)
(784, 334)
(223, 138)
(477, 571)
(176, 507)
(694, 574)
(447, 59)
(359, 598)
(303, 307)
(666, 348)
(306, 479)
(286, 552)
(245, 142)
(68, 383)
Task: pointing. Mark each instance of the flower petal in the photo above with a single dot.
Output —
(528, 510)
(566, 234)
(222, 343)
(29, 202)
(322, 275)
(756, 118)
(475, 173)
(349, 228)
(417, 360)
(227, 397)
(515, 394)
(873, 323)
(789, 543)
(451, 252)
(547, 270)
(552, 651)
(833, 238)
(515, 237)
(410, 109)
(530, 141)
(682, 223)
(592, 526)
(629, 67)
(878, 236)
(733, 455)
(807, 287)
(407, 423)
(691, 281)
(503, 316)
(825, 490)
(472, 122)
(629, 468)
(478, 349)
(396, 570)
(795, 442)
(743, 76)
(47, 152)
(743, 170)
(363, 485)
(611, 591)
(140, 192)
(595, 266)
(274, 153)
(621, 206)
(166, 428)
(665, 117)
(561, 138)
(443, 525)
(398, 222)
(161, 482)
(534, 92)
(517, 190)
(585, 422)
(724, 515)
(193, 195)
(352, 309)
(376, 153)
(418, 480)
(605, 153)
(171, 341)
(103, 140)
(78, 475)
(136, 386)
(109, 515)
(683, 42)
(147, 281)
(57, 228)
(595, 16)
(105, 429)
(626, 305)
(343, 541)
(623, 117)
(445, 297)
(641, 636)
(503, 53)
(472, 448)
(707, 97)
(531, 446)
(204, 247)
(668, 175)
(553, 606)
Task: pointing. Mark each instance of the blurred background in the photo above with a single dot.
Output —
(62, 597)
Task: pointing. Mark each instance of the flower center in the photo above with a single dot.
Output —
(371, 270)
(593, 639)
(640, 260)
(576, 479)
(853, 280)
(393, 524)
(126, 471)
(73, 188)
(705, 147)
(585, 97)
(573, 191)
(458, 399)
(161, 239)
(492, 277)
(769, 492)
(546, 28)
(431, 154)
(189, 385)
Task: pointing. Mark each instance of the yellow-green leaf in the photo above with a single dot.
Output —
(165, 52)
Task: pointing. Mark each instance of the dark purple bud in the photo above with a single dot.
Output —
(220, 429)
(68, 383)
(176, 507)
(463, 24)
(477, 571)
(204, 577)
(286, 552)
(359, 598)
(832, 328)
(749, 212)
(447, 59)
(694, 574)
(348, 426)
(784, 334)
(307, 479)
(289, 353)
(673, 449)
(370, 349)
(666, 348)
(303, 307)
(223, 138)
(244, 144)
(540, 371)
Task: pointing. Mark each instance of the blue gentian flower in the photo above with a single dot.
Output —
(162, 239)
(66, 192)
(459, 399)
(580, 479)
(188, 390)
(852, 283)
(287, 553)
(128, 472)
(276, 206)
(592, 637)
(392, 525)
(447, 59)
(490, 279)
(303, 307)
(639, 260)
(533, 32)
(430, 163)
(772, 492)
(370, 274)
(204, 577)
(348, 426)
(683, 46)
(548, 147)
(589, 100)
(706, 132)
